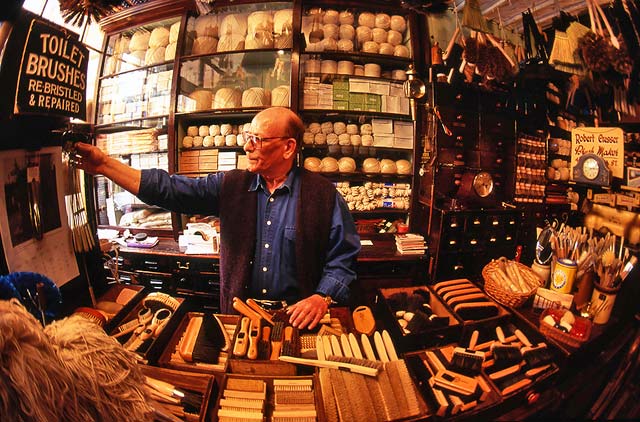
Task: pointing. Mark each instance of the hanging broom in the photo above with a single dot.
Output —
(472, 17)
(563, 55)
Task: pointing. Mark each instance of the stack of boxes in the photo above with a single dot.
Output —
(227, 160)
(355, 94)
(134, 96)
(392, 133)
(204, 160)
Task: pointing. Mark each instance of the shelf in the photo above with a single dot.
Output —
(167, 64)
(230, 113)
(221, 148)
(362, 58)
(160, 151)
(253, 52)
(372, 148)
(329, 77)
(356, 115)
(125, 125)
(369, 177)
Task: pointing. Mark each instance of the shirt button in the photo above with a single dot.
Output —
(264, 269)
(269, 223)
(271, 199)
(264, 291)
(266, 246)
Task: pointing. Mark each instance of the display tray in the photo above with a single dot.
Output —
(526, 368)
(302, 344)
(468, 302)
(127, 295)
(471, 397)
(200, 384)
(238, 395)
(444, 328)
(171, 358)
(154, 306)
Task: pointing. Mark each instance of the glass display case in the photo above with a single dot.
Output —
(359, 131)
(177, 94)
(236, 61)
(132, 116)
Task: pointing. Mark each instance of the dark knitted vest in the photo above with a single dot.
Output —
(238, 207)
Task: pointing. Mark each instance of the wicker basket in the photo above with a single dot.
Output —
(499, 293)
(581, 324)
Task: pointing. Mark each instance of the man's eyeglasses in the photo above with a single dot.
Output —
(256, 140)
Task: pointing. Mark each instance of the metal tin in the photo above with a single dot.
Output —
(563, 276)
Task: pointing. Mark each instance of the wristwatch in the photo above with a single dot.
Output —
(327, 298)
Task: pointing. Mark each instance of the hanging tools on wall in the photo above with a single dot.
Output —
(81, 232)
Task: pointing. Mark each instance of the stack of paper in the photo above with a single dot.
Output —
(411, 243)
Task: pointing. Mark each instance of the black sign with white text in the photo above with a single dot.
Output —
(53, 72)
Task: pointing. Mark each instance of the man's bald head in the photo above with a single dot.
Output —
(281, 121)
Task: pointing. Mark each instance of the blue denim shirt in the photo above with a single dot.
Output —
(274, 269)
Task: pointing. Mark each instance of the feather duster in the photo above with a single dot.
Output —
(79, 13)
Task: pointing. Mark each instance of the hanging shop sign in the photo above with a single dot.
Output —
(593, 147)
(52, 79)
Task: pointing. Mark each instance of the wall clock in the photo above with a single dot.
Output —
(477, 188)
(593, 170)
(483, 184)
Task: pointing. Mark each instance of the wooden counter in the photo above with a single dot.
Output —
(166, 267)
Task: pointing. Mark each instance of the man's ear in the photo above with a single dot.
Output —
(291, 147)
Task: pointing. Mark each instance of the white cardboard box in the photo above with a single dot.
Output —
(403, 129)
(358, 85)
(380, 88)
(382, 126)
(383, 141)
(400, 142)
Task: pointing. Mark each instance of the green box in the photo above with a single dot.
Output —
(374, 108)
(374, 100)
(357, 107)
(341, 85)
(341, 105)
(340, 95)
(357, 98)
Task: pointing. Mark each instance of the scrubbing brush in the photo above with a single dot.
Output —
(535, 356)
(191, 401)
(505, 354)
(467, 360)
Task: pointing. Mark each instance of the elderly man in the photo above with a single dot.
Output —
(286, 233)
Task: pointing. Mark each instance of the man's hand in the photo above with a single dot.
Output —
(94, 161)
(90, 158)
(307, 312)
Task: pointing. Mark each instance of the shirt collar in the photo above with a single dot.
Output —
(259, 182)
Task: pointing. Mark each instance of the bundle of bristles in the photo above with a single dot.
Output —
(490, 62)
(77, 12)
(69, 371)
(599, 55)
